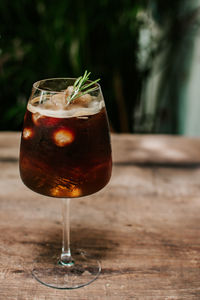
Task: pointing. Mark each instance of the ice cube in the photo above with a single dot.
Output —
(56, 191)
(69, 90)
(27, 133)
(76, 192)
(63, 137)
(58, 101)
(36, 117)
(61, 191)
(83, 101)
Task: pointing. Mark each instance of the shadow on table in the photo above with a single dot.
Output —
(97, 243)
(178, 165)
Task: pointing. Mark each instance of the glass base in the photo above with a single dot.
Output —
(83, 272)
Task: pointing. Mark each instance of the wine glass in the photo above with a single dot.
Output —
(66, 153)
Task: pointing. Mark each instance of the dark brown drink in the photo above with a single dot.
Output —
(65, 157)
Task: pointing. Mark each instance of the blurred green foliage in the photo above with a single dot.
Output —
(169, 101)
(41, 39)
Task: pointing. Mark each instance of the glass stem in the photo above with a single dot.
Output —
(66, 258)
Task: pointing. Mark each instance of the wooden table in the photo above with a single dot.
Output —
(144, 226)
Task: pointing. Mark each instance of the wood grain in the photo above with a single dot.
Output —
(144, 226)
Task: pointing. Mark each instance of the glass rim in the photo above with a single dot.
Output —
(96, 84)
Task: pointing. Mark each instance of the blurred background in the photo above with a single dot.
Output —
(146, 52)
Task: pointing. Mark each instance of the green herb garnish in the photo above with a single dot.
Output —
(80, 88)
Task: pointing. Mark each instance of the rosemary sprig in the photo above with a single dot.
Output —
(80, 88)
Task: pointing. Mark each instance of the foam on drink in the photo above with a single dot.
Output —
(56, 106)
